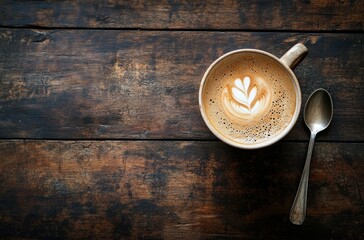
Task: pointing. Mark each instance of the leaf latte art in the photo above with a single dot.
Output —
(245, 98)
(248, 98)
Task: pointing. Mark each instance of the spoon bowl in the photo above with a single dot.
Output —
(317, 115)
(318, 110)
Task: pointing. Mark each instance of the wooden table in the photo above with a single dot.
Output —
(101, 135)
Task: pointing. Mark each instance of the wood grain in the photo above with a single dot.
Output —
(92, 84)
(176, 190)
(207, 14)
(101, 135)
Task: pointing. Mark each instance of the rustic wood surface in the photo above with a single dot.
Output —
(137, 84)
(176, 190)
(188, 14)
(101, 135)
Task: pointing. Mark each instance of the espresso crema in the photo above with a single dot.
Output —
(249, 97)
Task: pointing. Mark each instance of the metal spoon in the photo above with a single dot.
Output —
(317, 115)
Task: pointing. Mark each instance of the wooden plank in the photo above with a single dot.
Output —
(176, 190)
(91, 84)
(208, 14)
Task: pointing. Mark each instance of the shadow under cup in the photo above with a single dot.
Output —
(249, 98)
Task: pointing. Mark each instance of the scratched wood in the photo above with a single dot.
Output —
(208, 14)
(112, 97)
(92, 84)
(176, 190)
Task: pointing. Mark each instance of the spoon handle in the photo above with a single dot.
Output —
(298, 210)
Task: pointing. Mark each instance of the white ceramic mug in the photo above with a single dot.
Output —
(285, 64)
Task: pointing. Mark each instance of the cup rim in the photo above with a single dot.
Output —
(271, 141)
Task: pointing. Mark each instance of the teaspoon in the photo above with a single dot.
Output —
(317, 115)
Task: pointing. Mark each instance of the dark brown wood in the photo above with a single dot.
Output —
(84, 84)
(207, 14)
(176, 190)
(115, 83)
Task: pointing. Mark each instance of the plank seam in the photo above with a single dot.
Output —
(181, 29)
(159, 140)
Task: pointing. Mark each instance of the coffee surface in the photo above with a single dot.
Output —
(249, 98)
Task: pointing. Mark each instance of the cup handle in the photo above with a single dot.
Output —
(294, 55)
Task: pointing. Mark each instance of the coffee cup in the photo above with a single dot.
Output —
(251, 99)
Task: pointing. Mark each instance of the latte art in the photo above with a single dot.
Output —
(243, 99)
(249, 98)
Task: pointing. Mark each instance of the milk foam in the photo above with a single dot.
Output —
(241, 99)
(249, 98)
